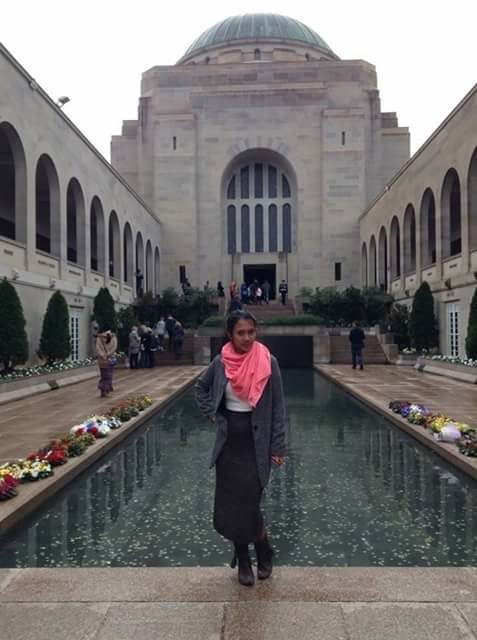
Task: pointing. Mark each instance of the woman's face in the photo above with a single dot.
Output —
(244, 335)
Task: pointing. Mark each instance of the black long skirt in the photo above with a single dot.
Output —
(237, 514)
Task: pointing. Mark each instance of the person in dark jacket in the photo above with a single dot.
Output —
(283, 291)
(146, 346)
(170, 324)
(356, 337)
(241, 392)
(178, 339)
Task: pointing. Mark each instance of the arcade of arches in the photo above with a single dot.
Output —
(424, 226)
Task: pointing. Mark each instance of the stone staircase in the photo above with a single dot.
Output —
(167, 358)
(272, 310)
(340, 351)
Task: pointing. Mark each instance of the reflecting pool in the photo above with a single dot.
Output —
(354, 491)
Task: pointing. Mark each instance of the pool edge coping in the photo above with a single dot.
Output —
(37, 493)
(444, 450)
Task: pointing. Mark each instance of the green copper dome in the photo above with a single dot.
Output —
(257, 26)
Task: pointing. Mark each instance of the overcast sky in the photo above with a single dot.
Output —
(94, 52)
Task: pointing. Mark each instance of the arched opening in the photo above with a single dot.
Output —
(383, 260)
(373, 266)
(395, 249)
(409, 230)
(97, 238)
(139, 266)
(75, 223)
(157, 266)
(472, 191)
(128, 270)
(257, 54)
(149, 268)
(13, 189)
(114, 246)
(47, 207)
(428, 228)
(262, 187)
(364, 265)
(451, 215)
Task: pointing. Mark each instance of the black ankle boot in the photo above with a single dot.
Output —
(264, 558)
(245, 573)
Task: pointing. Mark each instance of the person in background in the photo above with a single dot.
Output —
(146, 346)
(134, 346)
(266, 288)
(206, 285)
(106, 347)
(244, 293)
(259, 294)
(170, 324)
(283, 291)
(161, 332)
(220, 289)
(232, 289)
(253, 292)
(356, 337)
(235, 304)
(178, 339)
(241, 393)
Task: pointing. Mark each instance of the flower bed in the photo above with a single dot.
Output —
(39, 370)
(40, 464)
(444, 428)
(466, 362)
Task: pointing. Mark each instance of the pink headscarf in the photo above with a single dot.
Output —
(249, 372)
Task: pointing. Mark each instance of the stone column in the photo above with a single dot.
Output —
(438, 216)
(464, 224)
(30, 218)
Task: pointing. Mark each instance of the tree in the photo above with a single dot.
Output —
(126, 320)
(471, 340)
(422, 321)
(399, 325)
(103, 309)
(55, 341)
(13, 337)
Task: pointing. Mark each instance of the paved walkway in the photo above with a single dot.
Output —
(209, 604)
(27, 424)
(381, 384)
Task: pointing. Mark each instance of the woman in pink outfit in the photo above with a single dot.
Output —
(241, 392)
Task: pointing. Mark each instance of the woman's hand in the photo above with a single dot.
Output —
(278, 460)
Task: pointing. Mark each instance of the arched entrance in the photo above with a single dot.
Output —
(13, 190)
(47, 207)
(259, 195)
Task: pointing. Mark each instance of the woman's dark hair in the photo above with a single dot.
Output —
(235, 316)
(105, 327)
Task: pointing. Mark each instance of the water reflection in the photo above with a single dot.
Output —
(354, 491)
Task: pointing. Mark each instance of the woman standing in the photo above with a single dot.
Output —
(106, 346)
(241, 392)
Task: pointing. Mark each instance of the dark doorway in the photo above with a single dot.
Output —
(261, 272)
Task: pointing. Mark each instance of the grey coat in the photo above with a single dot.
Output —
(268, 417)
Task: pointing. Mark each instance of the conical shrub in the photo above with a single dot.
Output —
(471, 340)
(422, 321)
(55, 341)
(13, 337)
(103, 309)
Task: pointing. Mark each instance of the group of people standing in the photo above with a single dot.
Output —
(144, 341)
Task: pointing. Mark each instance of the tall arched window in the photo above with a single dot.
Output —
(157, 267)
(96, 222)
(13, 189)
(373, 271)
(149, 267)
(409, 240)
(383, 260)
(451, 215)
(428, 228)
(263, 197)
(75, 222)
(395, 249)
(364, 265)
(472, 200)
(114, 244)
(47, 207)
(127, 254)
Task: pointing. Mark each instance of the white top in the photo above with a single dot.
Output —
(161, 327)
(232, 403)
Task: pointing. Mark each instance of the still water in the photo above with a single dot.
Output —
(354, 491)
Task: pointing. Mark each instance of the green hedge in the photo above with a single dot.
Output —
(288, 321)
